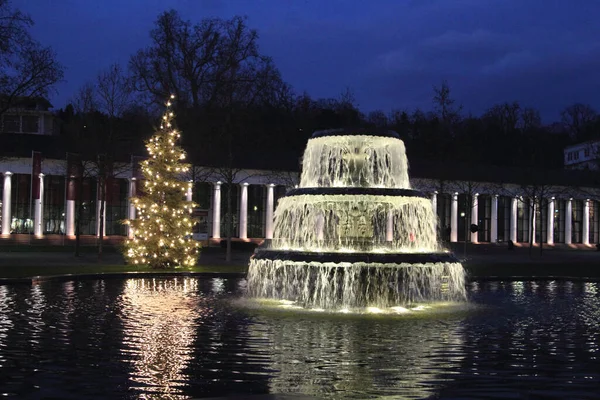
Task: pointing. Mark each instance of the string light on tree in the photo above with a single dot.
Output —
(162, 231)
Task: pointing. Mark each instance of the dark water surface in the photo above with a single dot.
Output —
(183, 337)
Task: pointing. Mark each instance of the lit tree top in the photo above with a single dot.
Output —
(162, 231)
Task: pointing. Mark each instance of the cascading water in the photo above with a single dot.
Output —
(354, 234)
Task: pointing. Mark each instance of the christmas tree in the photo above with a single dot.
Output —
(162, 230)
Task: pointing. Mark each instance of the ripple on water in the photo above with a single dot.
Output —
(186, 337)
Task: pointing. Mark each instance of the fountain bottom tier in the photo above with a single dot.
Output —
(334, 281)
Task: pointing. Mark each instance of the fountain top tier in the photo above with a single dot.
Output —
(355, 132)
(355, 158)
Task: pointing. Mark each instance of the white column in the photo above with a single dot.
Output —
(38, 219)
(269, 211)
(454, 218)
(98, 219)
(494, 220)
(131, 213)
(217, 211)
(586, 222)
(513, 219)
(98, 205)
(389, 229)
(70, 213)
(474, 216)
(6, 199)
(550, 233)
(532, 209)
(188, 193)
(569, 222)
(244, 212)
(434, 202)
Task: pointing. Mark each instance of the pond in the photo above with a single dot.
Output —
(186, 337)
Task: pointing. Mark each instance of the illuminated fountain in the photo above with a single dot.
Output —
(354, 234)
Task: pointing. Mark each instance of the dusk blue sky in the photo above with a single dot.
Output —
(542, 53)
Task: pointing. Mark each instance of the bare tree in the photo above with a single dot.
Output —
(216, 71)
(578, 118)
(27, 69)
(99, 105)
(113, 95)
(535, 196)
(444, 104)
(530, 119)
(506, 116)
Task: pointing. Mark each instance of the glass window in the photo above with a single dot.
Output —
(256, 210)
(11, 124)
(444, 202)
(594, 222)
(577, 218)
(54, 204)
(202, 195)
(484, 217)
(89, 189)
(523, 221)
(21, 219)
(116, 206)
(30, 124)
(559, 221)
(232, 191)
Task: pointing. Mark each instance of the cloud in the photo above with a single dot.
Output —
(390, 52)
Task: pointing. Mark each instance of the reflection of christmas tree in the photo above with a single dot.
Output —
(163, 228)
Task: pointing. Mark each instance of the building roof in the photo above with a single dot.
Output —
(587, 142)
(499, 174)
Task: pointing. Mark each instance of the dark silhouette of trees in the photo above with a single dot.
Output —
(580, 121)
(27, 69)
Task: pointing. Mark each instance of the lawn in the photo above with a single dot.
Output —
(589, 269)
(28, 271)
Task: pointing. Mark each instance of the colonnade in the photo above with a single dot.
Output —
(513, 219)
(269, 203)
(243, 211)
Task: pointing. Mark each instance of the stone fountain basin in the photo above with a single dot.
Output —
(354, 257)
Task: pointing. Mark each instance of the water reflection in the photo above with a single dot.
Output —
(183, 337)
(357, 357)
(158, 328)
(540, 340)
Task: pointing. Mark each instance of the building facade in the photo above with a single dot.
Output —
(43, 202)
(582, 155)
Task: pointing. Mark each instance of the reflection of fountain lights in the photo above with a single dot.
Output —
(158, 327)
(518, 287)
(437, 308)
(591, 288)
(218, 285)
(350, 359)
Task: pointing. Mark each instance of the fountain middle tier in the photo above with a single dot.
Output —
(379, 223)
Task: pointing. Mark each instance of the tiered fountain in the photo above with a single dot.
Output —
(354, 234)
